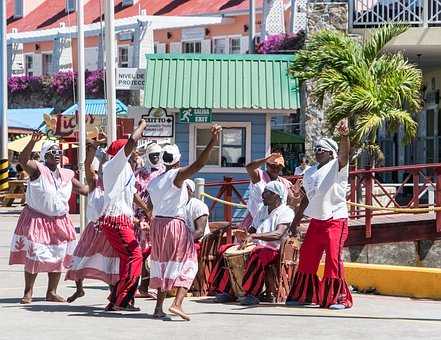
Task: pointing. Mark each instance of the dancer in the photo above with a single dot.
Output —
(173, 259)
(44, 239)
(94, 257)
(325, 202)
(116, 222)
(270, 222)
(151, 169)
(258, 178)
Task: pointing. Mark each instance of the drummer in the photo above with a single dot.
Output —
(271, 222)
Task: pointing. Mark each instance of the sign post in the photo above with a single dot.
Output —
(187, 116)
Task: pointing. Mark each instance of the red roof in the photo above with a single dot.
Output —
(52, 12)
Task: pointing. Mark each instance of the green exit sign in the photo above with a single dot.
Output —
(195, 116)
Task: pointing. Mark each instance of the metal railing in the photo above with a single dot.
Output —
(374, 13)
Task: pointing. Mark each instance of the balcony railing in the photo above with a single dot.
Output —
(374, 13)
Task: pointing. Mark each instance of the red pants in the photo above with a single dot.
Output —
(254, 272)
(120, 234)
(328, 236)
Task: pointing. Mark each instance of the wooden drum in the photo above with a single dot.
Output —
(235, 259)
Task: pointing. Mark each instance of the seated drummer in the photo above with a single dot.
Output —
(270, 222)
(196, 215)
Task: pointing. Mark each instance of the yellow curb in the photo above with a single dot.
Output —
(415, 282)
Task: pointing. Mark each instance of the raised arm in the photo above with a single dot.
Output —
(344, 147)
(30, 166)
(188, 171)
(253, 166)
(90, 173)
(133, 139)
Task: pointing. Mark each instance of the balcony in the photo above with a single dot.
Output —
(374, 13)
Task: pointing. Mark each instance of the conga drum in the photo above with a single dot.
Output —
(235, 259)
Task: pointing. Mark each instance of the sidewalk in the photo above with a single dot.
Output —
(372, 317)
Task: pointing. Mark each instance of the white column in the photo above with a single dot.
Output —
(3, 85)
(109, 16)
(252, 25)
(199, 184)
(81, 108)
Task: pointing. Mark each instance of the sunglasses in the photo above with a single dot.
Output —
(319, 149)
(55, 152)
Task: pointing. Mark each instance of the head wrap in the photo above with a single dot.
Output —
(328, 144)
(116, 145)
(150, 148)
(173, 150)
(279, 189)
(45, 148)
(277, 161)
(190, 184)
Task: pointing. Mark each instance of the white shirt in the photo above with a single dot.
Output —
(119, 186)
(326, 191)
(266, 223)
(194, 209)
(49, 194)
(95, 205)
(168, 200)
(299, 171)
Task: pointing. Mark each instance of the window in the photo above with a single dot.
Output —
(219, 45)
(18, 13)
(128, 2)
(234, 45)
(191, 47)
(233, 150)
(29, 65)
(123, 57)
(47, 63)
(70, 6)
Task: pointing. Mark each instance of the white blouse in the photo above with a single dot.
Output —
(49, 194)
(119, 186)
(266, 223)
(194, 209)
(168, 200)
(326, 188)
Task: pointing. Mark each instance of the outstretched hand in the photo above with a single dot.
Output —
(36, 136)
(215, 133)
(343, 127)
(273, 156)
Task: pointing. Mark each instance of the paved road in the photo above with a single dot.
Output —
(372, 317)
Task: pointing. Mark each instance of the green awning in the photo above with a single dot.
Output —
(280, 137)
(219, 81)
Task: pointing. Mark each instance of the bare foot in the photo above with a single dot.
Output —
(76, 295)
(25, 300)
(178, 311)
(52, 297)
(159, 313)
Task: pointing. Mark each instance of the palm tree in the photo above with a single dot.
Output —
(358, 81)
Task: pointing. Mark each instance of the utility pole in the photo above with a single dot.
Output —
(252, 26)
(81, 108)
(109, 17)
(4, 164)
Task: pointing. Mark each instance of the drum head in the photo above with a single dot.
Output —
(234, 250)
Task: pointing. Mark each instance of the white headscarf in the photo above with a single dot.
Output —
(45, 148)
(328, 144)
(153, 148)
(189, 183)
(279, 189)
(172, 149)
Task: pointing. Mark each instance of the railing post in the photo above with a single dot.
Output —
(368, 201)
(438, 200)
(200, 188)
(425, 13)
(350, 13)
(228, 211)
(416, 188)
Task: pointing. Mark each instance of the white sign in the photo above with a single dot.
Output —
(159, 123)
(130, 78)
(193, 33)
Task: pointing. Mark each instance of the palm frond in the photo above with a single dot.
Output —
(379, 39)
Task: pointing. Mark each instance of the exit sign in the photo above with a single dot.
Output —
(195, 116)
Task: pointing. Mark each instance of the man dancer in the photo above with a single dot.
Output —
(325, 202)
(116, 222)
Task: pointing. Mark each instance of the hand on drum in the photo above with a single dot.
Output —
(240, 234)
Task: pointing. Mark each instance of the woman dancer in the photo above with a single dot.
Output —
(44, 239)
(151, 169)
(94, 257)
(173, 258)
